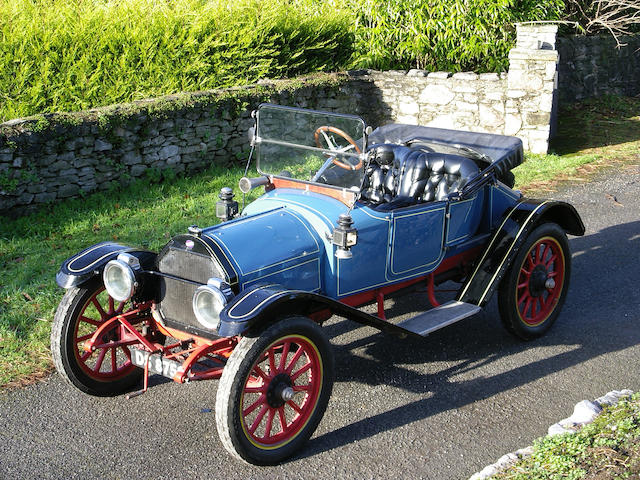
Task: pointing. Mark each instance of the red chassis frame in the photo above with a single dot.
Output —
(209, 356)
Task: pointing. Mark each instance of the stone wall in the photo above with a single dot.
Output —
(48, 158)
(596, 66)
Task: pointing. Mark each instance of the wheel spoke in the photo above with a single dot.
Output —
(85, 355)
(260, 373)
(284, 355)
(283, 419)
(526, 306)
(258, 420)
(114, 365)
(260, 401)
(272, 361)
(303, 369)
(111, 309)
(96, 303)
(552, 259)
(103, 352)
(95, 323)
(84, 337)
(301, 388)
(294, 360)
(295, 406)
(269, 424)
(524, 296)
(530, 263)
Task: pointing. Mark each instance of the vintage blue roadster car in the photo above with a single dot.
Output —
(348, 215)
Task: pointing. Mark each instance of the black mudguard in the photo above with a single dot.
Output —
(83, 266)
(503, 246)
(262, 304)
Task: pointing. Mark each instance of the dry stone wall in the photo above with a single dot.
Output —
(596, 66)
(48, 158)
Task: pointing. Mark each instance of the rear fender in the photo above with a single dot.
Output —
(81, 267)
(503, 246)
(262, 304)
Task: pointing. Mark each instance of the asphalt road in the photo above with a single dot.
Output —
(438, 408)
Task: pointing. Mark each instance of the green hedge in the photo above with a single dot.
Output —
(75, 54)
(62, 55)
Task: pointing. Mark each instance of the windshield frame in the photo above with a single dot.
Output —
(361, 142)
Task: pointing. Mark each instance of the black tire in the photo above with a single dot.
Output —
(534, 288)
(93, 374)
(253, 387)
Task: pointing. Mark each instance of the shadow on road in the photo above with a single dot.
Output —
(605, 269)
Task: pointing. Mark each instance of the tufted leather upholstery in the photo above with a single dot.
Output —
(398, 176)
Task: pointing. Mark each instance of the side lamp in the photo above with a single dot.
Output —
(226, 207)
(344, 236)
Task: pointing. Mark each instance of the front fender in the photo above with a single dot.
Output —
(262, 304)
(504, 244)
(79, 268)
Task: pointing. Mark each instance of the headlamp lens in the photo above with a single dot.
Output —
(208, 302)
(119, 280)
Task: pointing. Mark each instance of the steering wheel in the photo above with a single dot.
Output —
(328, 128)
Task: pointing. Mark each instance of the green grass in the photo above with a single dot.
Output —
(538, 168)
(33, 247)
(147, 214)
(608, 448)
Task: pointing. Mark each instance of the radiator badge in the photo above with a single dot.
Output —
(189, 244)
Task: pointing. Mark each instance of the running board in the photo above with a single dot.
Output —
(436, 318)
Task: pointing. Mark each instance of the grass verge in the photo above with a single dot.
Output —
(608, 448)
(592, 135)
(148, 214)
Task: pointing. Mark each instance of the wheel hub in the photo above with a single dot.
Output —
(538, 281)
(280, 390)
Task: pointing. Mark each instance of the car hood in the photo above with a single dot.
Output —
(274, 246)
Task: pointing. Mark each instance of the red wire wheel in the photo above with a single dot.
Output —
(540, 281)
(105, 371)
(533, 291)
(274, 391)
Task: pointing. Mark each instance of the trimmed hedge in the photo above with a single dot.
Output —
(60, 55)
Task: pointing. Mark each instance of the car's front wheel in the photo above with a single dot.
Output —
(274, 390)
(106, 371)
(532, 292)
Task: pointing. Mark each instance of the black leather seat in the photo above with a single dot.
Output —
(398, 176)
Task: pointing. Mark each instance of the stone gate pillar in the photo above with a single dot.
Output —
(531, 86)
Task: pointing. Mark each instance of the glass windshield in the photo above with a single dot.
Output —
(311, 146)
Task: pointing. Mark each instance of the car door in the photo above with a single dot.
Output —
(417, 239)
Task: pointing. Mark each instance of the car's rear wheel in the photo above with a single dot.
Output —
(532, 292)
(106, 371)
(274, 390)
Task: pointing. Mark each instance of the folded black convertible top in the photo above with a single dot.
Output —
(503, 150)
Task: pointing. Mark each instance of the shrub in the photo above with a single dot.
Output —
(450, 35)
